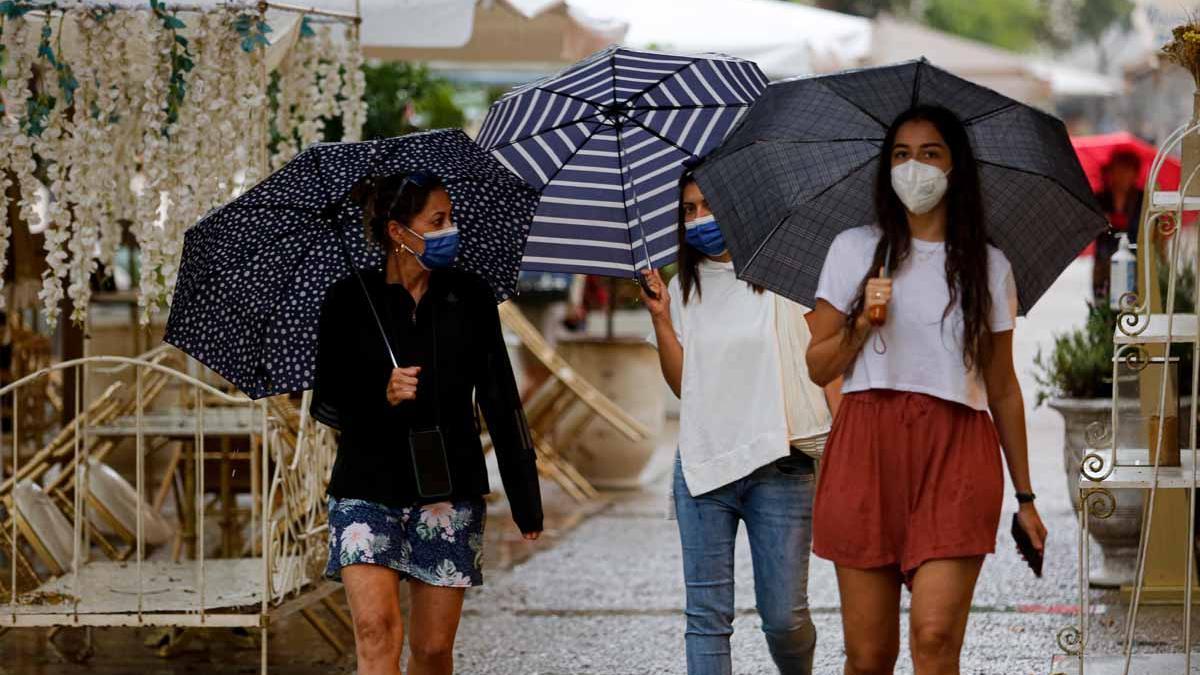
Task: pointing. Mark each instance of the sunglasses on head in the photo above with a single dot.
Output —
(421, 179)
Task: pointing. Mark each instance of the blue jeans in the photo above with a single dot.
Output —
(775, 502)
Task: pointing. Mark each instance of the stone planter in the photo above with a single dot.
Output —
(1118, 534)
(627, 371)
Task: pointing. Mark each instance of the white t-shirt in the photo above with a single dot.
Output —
(732, 416)
(922, 354)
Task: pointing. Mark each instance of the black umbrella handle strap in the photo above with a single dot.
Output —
(366, 294)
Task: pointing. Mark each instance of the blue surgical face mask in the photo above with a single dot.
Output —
(441, 247)
(705, 236)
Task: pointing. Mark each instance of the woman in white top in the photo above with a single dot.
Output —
(734, 354)
(911, 482)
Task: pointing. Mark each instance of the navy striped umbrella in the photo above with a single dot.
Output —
(605, 141)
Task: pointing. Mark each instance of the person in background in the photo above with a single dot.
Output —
(1121, 199)
(406, 497)
(750, 419)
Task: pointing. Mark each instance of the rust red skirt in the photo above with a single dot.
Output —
(907, 478)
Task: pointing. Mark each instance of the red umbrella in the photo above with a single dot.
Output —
(1095, 151)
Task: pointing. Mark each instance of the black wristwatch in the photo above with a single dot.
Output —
(1025, 497)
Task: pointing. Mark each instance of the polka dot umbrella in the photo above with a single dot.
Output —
(255, 270)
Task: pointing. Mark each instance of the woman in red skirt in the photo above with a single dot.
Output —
(911, 482)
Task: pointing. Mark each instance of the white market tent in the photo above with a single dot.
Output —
(785, 39)
(519, 39)
(525, 38)
(540, 36)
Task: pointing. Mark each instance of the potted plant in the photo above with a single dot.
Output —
(1075, 379)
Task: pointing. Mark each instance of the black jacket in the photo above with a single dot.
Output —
(374, 461)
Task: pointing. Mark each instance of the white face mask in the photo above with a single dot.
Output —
(920, 186)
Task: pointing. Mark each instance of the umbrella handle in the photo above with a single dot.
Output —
(877, 315)
(646, 287)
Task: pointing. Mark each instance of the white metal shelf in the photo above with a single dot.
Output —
(1141, 664)
(1142, 478)
(1135, 472)
(1168, 200)
(1153, 330)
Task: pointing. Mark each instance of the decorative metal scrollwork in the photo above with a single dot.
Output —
(1097, 434)
(1135, 357)
(1094, 467)
(1070, 640)
(1166, 223)
(1100, 502)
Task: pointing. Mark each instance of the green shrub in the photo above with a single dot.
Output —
(1080, 364)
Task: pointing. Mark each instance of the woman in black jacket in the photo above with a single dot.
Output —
(406, 496)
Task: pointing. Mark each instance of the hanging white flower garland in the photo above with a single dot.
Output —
(16, 155)
(354, 87)
(111, 178)
(134, 138)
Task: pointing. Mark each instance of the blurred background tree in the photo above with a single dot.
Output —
(405, 97)
(401, 98)
(1094, 17)
(1019, 25)
(1012, 24)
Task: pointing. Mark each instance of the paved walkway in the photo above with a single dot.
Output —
(605, 596)
(608, 598)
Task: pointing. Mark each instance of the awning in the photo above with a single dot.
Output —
(521, 35)
(785, 39)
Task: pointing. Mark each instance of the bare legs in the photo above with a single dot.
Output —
(374, 595)
(941, 601)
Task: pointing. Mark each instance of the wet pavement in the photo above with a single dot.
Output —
(603, 592)
(609, 598)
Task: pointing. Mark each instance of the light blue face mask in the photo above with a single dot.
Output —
(705, 236)
(441, 247)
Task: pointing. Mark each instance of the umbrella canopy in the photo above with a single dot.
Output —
(802, 167)
(1096, 151)
(605, 143)
(255, 270)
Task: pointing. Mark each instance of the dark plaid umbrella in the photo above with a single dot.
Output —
(605, 141)
(255, 270)
(801, 168)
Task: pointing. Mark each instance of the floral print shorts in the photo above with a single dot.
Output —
(438, 544)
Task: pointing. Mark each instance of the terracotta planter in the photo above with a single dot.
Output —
(627, 371)
(1118, 534)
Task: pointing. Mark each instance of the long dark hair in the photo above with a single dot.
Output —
(387, 198)
(966, 231)
(689, 259)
